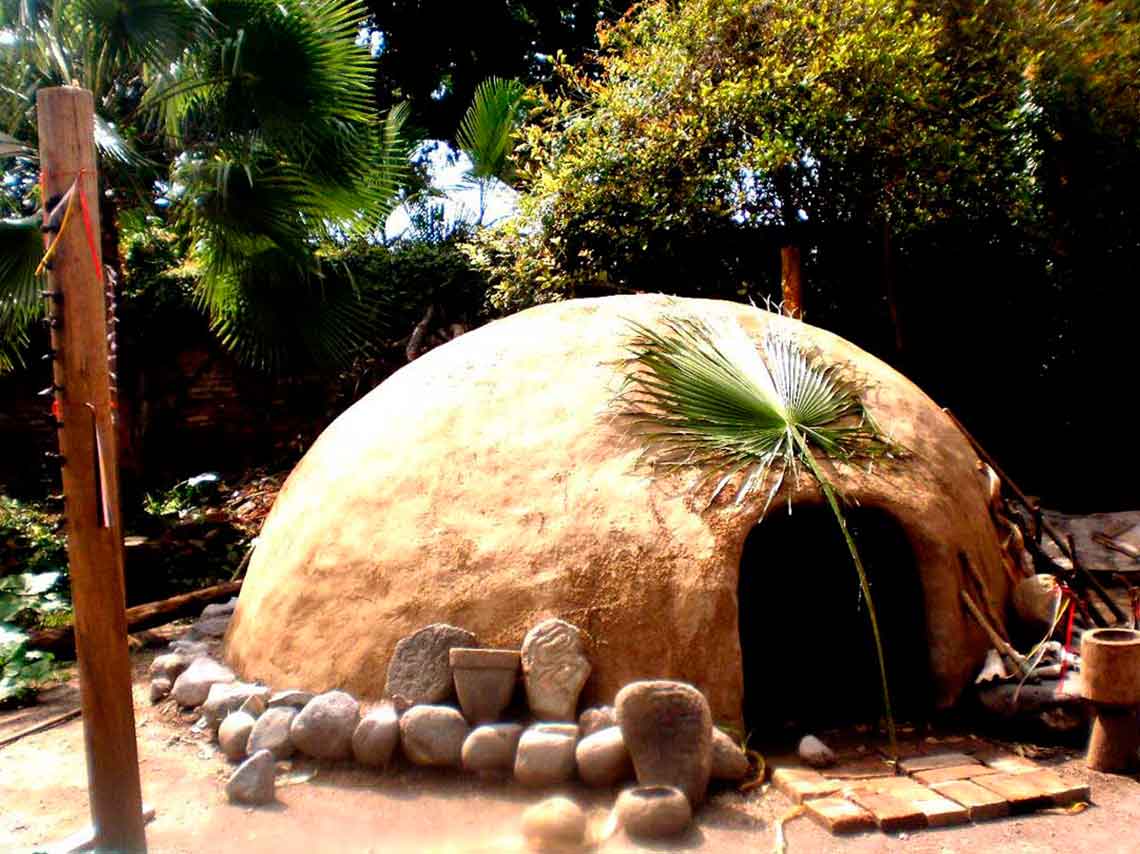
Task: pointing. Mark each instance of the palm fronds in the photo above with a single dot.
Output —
(21, 247)
(709, 398)
(486, 132)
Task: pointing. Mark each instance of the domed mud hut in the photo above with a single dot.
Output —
(495, 482)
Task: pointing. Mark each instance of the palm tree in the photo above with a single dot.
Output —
(709, 398)
(258, 117)
(487, 134)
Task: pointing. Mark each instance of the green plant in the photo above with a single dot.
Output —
(710, 398)
(31, 539)
(25, 599)
(22, 671)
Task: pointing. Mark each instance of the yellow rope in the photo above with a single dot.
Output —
(72, 193)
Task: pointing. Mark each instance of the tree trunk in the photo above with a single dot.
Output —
(791, 268)
(791, 281)
(891, 285)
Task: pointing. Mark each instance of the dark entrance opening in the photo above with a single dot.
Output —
(808, 655)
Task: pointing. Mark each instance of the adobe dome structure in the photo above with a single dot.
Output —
(488, 485)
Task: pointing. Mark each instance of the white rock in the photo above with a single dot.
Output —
(490, 749)
(233, 734)
(192, 687)
(376, 736)
(324, 728)
(271, 732)
(433, 735)
(252, 782)
(555, 668)
(544, 757)
(602, 758)
(729, 761)
(815, 753)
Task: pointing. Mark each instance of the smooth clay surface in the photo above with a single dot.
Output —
(488, 485)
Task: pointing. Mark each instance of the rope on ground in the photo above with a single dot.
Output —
(781, 845)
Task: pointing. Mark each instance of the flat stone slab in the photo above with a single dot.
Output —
(839, 815)
(934, 760)
(891, 813)
(1023, 792)
(940, 811)
(900, 787)
(862, 768)
(981, 803)
(1059, 790)
(1013, 764)
(954, 772)
(802, 784)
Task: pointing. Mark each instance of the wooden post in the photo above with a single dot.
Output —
(87, 443)
(791, 281)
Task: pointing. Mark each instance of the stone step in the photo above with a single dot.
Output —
(954, 772)
(1033, 790)
(891, 813)
(1013, 764)
(839, 815)
(980, 803)
(934, 760)
(801, 784)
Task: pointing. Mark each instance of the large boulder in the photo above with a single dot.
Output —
(487, 485)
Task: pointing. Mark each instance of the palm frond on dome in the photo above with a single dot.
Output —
(706, 396)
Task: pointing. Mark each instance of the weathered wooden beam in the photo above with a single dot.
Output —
(61, 640)
(87, 440)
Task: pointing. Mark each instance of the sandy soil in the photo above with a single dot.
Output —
(43, 798)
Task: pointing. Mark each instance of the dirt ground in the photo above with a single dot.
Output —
(43, 798)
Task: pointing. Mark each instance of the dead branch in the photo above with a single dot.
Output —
(61, 641)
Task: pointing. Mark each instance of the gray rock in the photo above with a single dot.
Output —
(603, 759)
(252, 782)
(729, 761)
(295, 699)
(667, 727)
(490, 749)
(192, 687)
(190, 648)
(555, 668)
(159, 689)
(433, 735)
(233, 734)
(556, 824)
(596, 719)
(219, 609)
(271, 732)
(653, 812)
(420, 670)
(544, 757)
(255, 705)
(324, 728)
(815, 753)
(226, 697)
(169, 665)
(376, 736)
(213, 627)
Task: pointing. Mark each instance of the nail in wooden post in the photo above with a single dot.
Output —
(91, 483)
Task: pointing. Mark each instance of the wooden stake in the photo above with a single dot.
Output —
(90, 472)
(791, 281)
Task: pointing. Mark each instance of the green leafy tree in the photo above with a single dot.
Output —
(706, 122)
